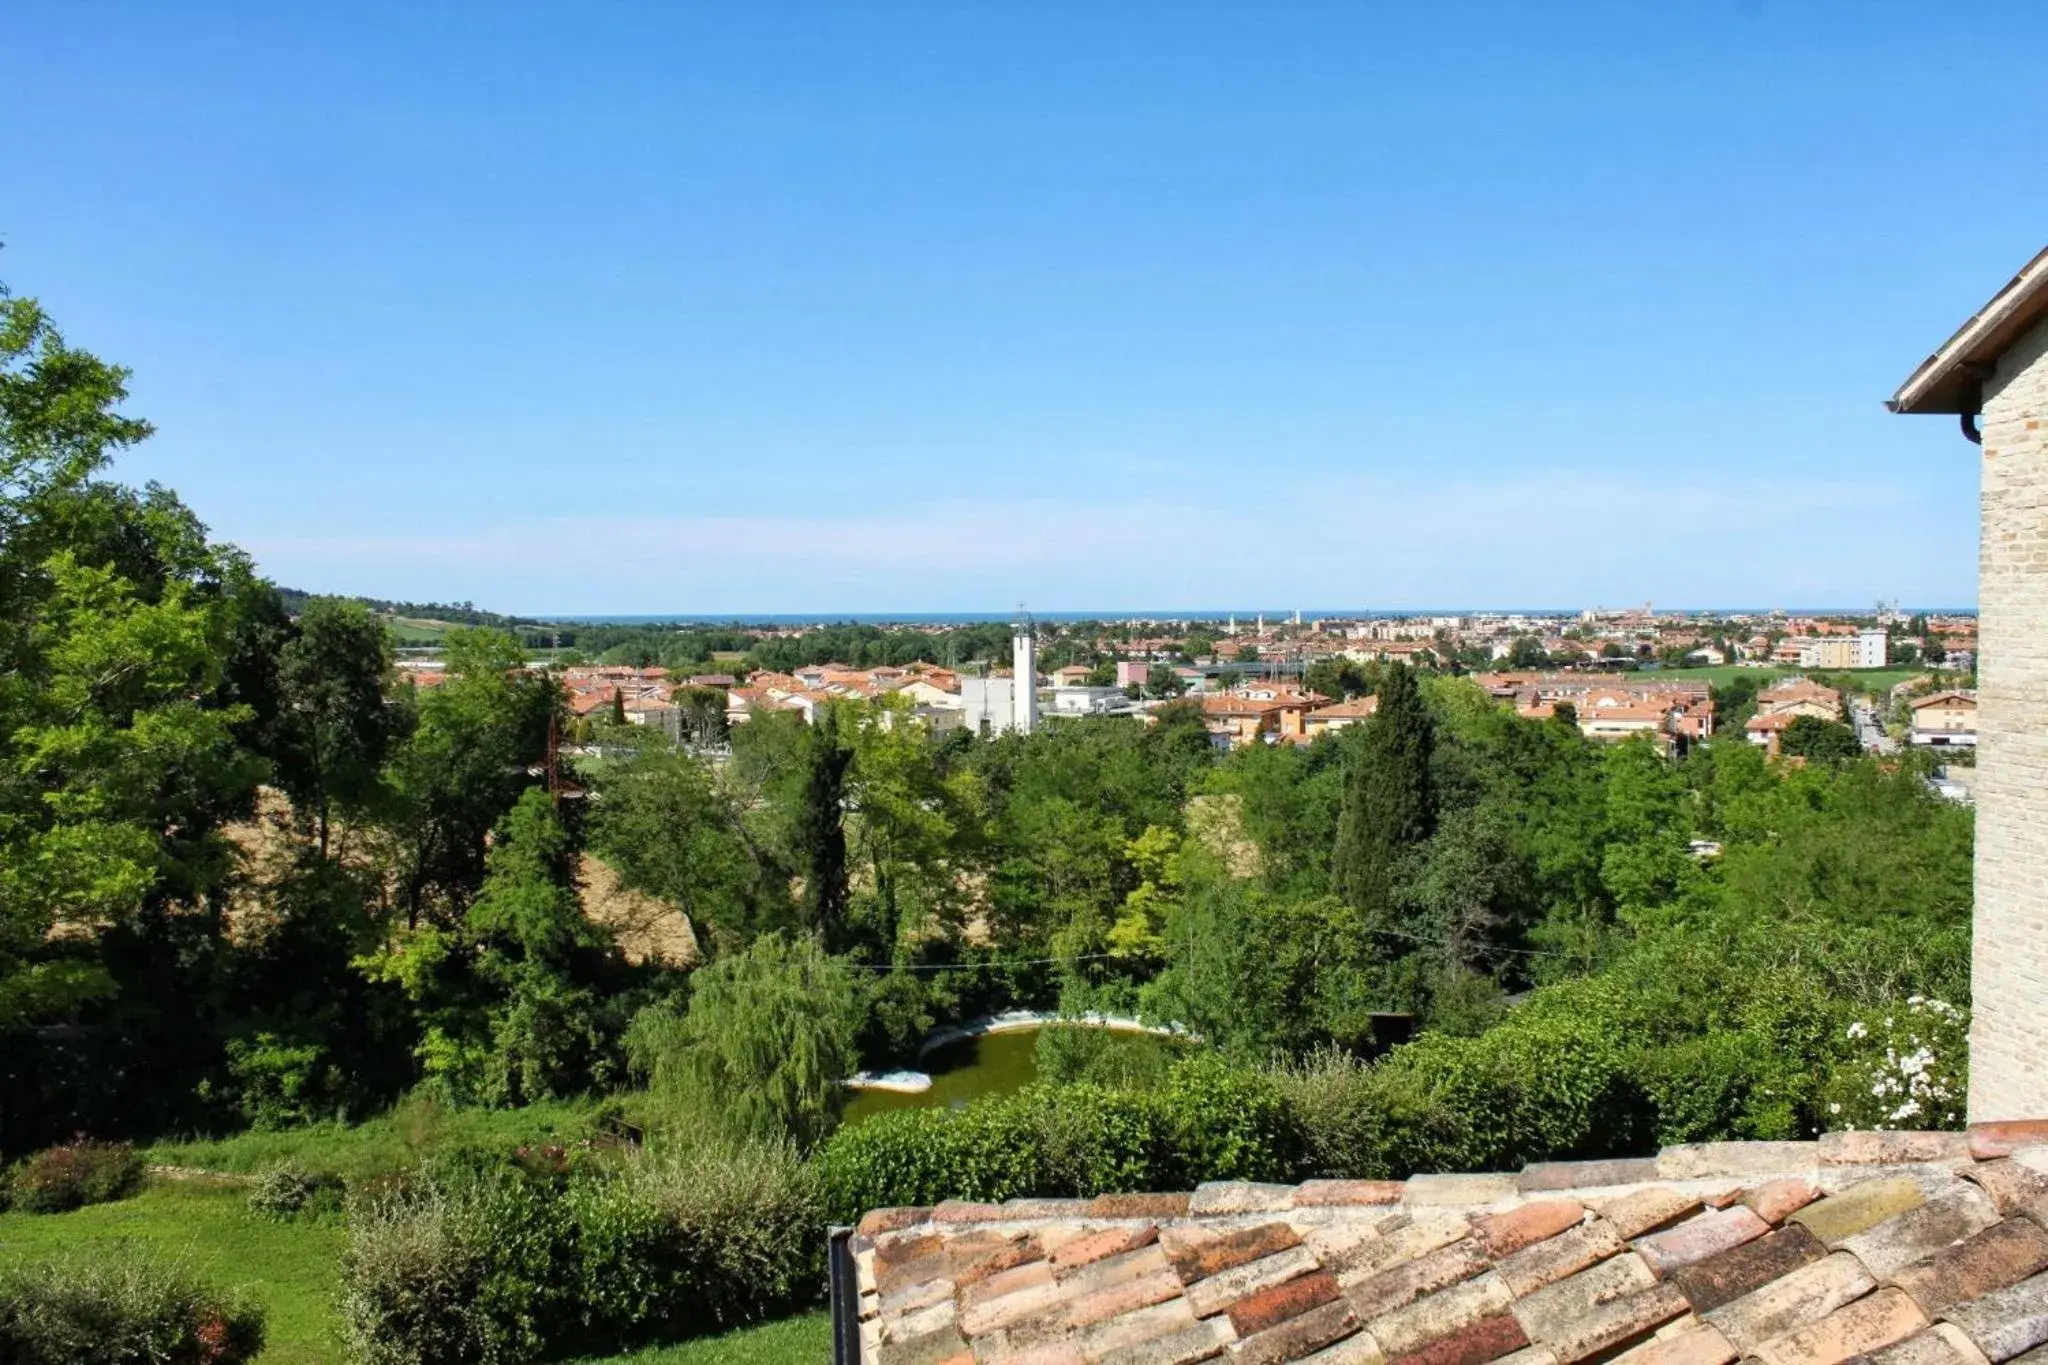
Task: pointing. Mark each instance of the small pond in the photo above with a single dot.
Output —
(991, 1064)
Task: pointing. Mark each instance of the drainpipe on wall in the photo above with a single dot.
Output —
(845, 1297)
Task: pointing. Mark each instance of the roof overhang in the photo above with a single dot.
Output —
(1951, 380)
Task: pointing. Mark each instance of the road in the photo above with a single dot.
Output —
(1868, 729)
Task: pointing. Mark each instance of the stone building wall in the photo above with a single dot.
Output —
(2009, 969)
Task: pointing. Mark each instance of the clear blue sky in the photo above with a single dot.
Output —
(868, 306)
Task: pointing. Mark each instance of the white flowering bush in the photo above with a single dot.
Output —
(1907, 1067)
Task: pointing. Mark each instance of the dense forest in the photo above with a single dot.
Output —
(250, 879)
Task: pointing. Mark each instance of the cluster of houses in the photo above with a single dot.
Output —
(1251, 710)
(1676, 711)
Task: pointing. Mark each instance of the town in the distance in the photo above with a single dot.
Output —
(1875, 680)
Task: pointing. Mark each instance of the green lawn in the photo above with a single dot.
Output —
(389, 1142)
(291, 1268)
(793, 1341)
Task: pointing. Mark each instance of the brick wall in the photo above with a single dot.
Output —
(2009, 968)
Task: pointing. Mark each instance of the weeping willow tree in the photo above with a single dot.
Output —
(761, 1050)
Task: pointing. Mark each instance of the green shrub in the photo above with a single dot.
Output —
(1211, 1121)
(1068, 1054)
(501, 1264)
(290, 1192)
(1338, 1107)
(123, 1308)
(59, 1179)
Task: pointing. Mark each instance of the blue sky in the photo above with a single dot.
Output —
(872, 307)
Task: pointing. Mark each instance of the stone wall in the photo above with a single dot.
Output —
(2009, 970)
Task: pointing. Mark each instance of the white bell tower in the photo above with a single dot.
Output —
(1024, 675)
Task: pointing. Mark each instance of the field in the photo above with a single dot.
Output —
(1873, 679)
(291, 1268)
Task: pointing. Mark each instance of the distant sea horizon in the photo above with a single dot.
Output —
(1243, 614)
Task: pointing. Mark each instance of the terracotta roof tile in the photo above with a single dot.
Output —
(1900, 1249)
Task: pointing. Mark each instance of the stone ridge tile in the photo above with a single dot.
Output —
(1504, 1234)
(1792, 1301)
(913, 1297)
(892, 1280)
(1145, 1324)
(943, 1345)
(1922, 1348)
(1347, 1193)
(1531, 1268)
(1115, 1270)
(1362, 1260)
(1198, 1252)
(1043, 1353)
(1043, 1210)
(875, 1222)
(1158, 1207)
(1540, 1176)
(1357, 1349)
(975, 1256)
(1407, 1329)
(1183, 1347)
(1211, 1296)
(1409, 1281)
(1869, 1324)
(1530, 1355)
(1298, 1336)
(903, 1247)
(1700, 1345)
(1742, 1270)
(931, 1318)
(1700, 1238)
(967, 1211)
(2002, 1254)
(1931, 1177)
(1124, 1296)
(1487, 1187)
(2004, 1137)
(1239, 1196)
(1102, 1244)
(1030, 1275)
(1545, 1312)
(1858, 1208)
(1490, 1338)
(2013, 1187)
(1644, 1210)
(1916, 1234)
(2006, 1321)
(1959, 1342)
(1859, 1147)
(1616, 1322)
(1775, 1200)
(1275, 1304)
(1704, 1160)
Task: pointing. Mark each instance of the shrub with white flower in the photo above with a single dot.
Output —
(1908, 1067)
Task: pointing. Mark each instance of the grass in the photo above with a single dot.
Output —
(292, 1268)
(389, 1142)
(793, 1341)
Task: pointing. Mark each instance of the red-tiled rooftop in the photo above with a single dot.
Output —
(1897, 1248)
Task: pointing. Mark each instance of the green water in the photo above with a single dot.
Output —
(993, 1064)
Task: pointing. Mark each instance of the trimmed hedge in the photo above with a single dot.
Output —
(1598, 1067)
(122, 1307)
(1210, 1121)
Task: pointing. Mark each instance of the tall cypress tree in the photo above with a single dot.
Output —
(821, 830)
(1389, 805)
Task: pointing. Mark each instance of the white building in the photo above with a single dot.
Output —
(1024, 668)
(1872, 649)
